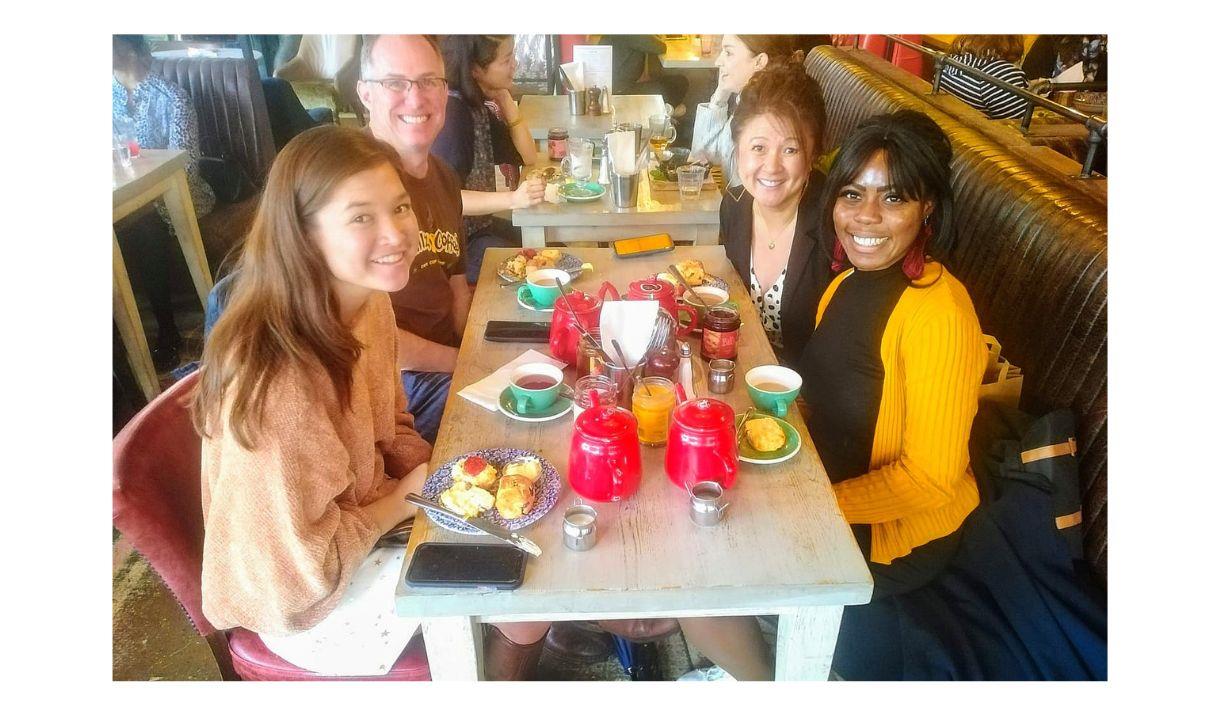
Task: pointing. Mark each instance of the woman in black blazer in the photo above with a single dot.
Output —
(770, 224)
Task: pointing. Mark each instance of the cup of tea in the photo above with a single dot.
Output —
(535, 386)
(543, 286)
(711, 295)
(773, 388)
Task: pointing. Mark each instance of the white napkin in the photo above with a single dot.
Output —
(363, 635)
(486, 392)
(631, 322)
(622, 153)
(1075, 73)
(575, 72)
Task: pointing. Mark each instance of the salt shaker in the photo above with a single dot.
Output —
(686, 370)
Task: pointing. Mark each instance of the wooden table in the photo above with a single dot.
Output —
(784, 547)
(686, 53)
(694, 221)
(155, 174)
(543, 111)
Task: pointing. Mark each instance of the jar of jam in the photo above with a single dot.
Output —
(721, 328)
(557, 143)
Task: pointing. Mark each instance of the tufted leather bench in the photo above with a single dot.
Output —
(233, 124)
(1031, 249)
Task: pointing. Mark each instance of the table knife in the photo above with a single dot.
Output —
(483, 525)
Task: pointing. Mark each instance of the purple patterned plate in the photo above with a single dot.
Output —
(547, 487)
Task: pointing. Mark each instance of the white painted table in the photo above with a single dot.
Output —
(155, 174)
(686, 53)
(692, 221)
(541, 112)
(784, 547)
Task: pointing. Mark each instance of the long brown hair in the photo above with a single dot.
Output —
(282, 310)
(784, 90)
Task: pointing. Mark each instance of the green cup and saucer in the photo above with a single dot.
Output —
(581, 191)
(746, 453)
(508, 407)
(535, 393)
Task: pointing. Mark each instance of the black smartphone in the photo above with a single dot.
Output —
(466, 566)
(518, 331)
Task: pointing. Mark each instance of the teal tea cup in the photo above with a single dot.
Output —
(535, 386)
(773, 388)
(543, 286)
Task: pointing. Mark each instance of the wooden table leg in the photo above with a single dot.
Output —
(533, 236)
(182, 215)
(131, 329)
(455, 648)
(805, 643)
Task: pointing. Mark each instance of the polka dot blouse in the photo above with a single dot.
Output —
(768, 307)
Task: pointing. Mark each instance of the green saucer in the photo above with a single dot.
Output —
(748, 454)
(579, 193)
(508, 406)
(525, 300)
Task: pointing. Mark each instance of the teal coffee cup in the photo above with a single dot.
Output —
(535, 386)
(773, 388)
(543, 286)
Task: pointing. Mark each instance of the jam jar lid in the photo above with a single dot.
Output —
(557, 133)
(606, 423)
(704, 414)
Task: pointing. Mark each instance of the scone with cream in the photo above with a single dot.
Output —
(528, 467)
(467, 499)
(476, 471)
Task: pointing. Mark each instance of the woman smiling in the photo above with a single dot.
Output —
(892, 369)
(769, 224)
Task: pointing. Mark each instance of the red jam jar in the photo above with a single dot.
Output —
(557, 143)
(721, 328)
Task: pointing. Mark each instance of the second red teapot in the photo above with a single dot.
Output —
(662, 292)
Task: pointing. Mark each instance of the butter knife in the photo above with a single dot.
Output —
(483, 525)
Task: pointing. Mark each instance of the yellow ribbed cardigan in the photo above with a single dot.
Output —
(920, 486)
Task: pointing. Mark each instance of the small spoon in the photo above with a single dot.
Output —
(678, 275)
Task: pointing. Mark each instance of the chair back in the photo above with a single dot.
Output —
(228, 97)
(156, 495)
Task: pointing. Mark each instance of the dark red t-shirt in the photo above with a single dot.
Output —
(425, 306)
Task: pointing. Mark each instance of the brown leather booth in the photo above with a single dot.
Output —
(233, 124)
(1031, 249)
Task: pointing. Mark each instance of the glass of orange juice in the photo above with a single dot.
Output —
(652, 403)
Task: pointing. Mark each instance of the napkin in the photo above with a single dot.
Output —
(486, 392)
(575, 72)
(631, 322)
(621, 147)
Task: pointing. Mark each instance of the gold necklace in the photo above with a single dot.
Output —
(784, 229)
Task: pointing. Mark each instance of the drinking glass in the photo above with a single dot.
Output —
(579, 161)
(690, 180)
(660, 133)
(604, 387)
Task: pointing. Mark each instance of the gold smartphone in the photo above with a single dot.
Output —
(643, 245)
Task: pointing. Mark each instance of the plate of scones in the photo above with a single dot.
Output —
(765, 439)
(511, 488)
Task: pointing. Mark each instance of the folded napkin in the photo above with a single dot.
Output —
(575, 72)
(486, 392)
(631, 322)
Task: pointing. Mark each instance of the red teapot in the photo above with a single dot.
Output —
(662, 292)
(604, 459)
(702, 444)
(565, 335)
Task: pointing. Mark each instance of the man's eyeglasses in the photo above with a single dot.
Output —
(401, 84)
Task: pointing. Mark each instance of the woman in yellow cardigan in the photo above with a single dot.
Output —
(892, 369)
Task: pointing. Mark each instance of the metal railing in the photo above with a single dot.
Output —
(1095, 125)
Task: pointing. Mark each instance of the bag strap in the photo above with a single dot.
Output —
(1054, 450)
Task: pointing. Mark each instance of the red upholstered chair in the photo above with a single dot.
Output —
(157, 507)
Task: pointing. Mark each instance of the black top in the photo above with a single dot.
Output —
(842, 372)
(455, 143)
(808, 263)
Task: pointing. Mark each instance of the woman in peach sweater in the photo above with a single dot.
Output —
(308, 449)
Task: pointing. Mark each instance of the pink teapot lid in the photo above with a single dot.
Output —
(704, 414)
(605, 423)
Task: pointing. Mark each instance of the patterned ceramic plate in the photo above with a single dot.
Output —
(746, 453)
(708, 280)
(566, 262)
(580, 193)
(547, 490)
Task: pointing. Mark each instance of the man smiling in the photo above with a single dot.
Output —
(403, 88)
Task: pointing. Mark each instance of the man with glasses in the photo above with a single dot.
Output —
(403, 88)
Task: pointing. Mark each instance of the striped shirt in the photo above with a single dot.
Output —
(993, 101)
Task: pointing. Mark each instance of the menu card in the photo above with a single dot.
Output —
(598, 61)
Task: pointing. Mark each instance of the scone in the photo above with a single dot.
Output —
(475, 471)
(551, 254)
(515, 497)
(765, 435)
(467, 499)
(693, 271)
(528, 467)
